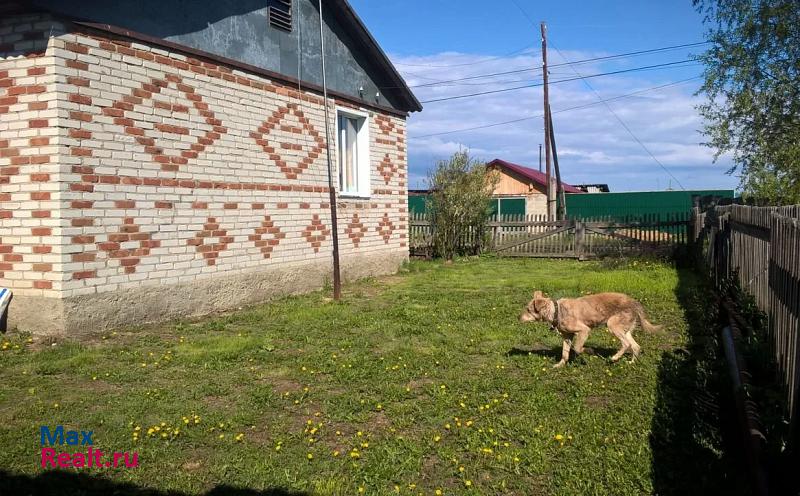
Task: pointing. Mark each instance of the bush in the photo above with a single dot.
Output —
(461, 189)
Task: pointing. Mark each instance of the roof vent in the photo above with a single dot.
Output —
(280, 16)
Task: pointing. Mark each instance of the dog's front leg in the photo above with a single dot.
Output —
(566, 344)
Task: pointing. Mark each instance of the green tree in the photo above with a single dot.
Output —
(461, 188)
(752, 80)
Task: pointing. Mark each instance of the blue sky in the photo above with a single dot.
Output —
(436, 40)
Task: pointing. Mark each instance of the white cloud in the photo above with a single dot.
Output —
(593, 146)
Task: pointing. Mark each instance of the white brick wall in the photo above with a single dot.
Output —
(161, 168)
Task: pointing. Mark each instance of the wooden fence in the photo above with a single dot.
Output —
(534, 236)
(761, 247)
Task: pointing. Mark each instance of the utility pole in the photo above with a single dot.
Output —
(337, 281)
(551, 204)
(540, 157)
(562, 201)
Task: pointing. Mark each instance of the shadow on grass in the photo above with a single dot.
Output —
(60, 482)
(554, 352)
(694, 431)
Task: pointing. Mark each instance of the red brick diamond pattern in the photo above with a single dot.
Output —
(385, 228)
(197, 125)
(316, 232)
(267, 236)
(204, 242)
(388, 166)
(292, 156)
(355, 230)
(128, 245)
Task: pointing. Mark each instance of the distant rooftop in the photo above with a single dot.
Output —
(530, 174)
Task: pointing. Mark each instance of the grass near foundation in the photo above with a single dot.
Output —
(421, 383)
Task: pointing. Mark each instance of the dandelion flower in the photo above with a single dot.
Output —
(468, 483)
(310, 456)
(558, 437)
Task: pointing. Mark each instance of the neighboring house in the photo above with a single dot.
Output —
(159, 161)
(522, 190)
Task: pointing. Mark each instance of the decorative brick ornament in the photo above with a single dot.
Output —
(316, 232)
(187, 107)
(355, 230)
(127, 245)
(261, 238)
(385, 228)
(204, 243)
(292, 158)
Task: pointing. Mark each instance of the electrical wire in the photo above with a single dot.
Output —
(489, 59)
(514, 88)
(539, 116)
(625, 126)
(436, 82)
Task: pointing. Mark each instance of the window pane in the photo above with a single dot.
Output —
(352, 156)
(349, 159)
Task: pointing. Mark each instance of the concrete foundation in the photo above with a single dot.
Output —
(99, 312)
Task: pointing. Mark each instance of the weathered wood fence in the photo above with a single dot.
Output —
(761, 247)
(535, 236)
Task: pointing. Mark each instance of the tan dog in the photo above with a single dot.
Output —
(573, 318)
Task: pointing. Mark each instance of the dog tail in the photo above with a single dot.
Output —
(646, 324)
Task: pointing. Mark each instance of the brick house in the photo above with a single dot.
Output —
(157, 163)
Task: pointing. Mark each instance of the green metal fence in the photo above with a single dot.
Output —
(614, 206)
(621, 206)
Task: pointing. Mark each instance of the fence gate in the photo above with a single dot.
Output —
(534, 236)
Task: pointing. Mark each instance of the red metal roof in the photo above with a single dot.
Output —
(531, 174)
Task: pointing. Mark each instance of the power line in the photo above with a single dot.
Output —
(584, 61)
(503, 90)
(619, 97)
(489, 59)
(644, 147)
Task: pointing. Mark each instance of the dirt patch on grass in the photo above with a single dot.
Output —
(378, 422)
(598, 402)
(417, 385)
(282, 385)
(218, 402)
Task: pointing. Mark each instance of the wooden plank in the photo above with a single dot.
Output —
(528, 239)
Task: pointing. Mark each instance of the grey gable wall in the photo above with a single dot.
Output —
(240, 30)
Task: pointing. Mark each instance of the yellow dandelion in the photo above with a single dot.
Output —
(468, 483)
(310, 456)
(558, 437)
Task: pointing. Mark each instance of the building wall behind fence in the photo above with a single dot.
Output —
(185, 187)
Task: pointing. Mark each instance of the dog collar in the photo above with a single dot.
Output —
(555, 315)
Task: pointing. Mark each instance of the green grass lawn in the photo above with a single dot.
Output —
(417, 383)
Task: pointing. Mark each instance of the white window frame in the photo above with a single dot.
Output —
(363, 167)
